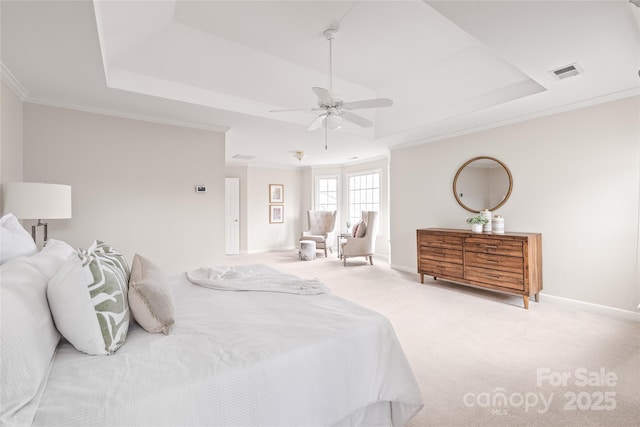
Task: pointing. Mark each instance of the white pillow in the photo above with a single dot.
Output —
(28, 340)
(88, 299)
(49, 260)
(15, 241)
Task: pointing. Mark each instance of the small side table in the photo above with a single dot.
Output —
(341, 237)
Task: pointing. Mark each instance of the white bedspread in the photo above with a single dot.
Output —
(240, 359)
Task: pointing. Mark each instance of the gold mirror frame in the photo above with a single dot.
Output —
(455, 182)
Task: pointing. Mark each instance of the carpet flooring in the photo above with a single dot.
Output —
(481, 359)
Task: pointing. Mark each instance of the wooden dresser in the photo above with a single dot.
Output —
(507, 262)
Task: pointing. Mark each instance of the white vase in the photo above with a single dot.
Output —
(487, 214)
(476, 228)
(498, 224)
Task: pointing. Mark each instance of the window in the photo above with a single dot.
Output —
(327, 194)
(364, 195)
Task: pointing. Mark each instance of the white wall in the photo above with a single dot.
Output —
(307, 195)
(132, 184)
(261, 235)
(576, 181)
(10, 139)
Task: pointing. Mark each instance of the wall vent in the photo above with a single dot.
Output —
(243, 157)
(567, 71)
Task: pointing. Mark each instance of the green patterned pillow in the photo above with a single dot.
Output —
(88, 299)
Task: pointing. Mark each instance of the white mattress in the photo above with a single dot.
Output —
(240, 358)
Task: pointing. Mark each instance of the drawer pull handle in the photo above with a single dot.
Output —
(492, 276)
(492, 261)
(491, 246)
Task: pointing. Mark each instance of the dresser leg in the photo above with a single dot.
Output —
(422, 278)
(525, 298)
(537, 297)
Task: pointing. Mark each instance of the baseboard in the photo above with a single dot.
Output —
(587, 306)
(264, 250)
(381, 257)
(594, 308)
(404, 268)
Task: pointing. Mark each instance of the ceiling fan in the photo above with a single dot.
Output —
(334, 110)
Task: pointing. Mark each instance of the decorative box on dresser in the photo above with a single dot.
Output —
(506, 262)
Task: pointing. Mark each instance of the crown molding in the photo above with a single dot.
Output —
(258, 165)
(16, 87)
(10, 80)
(141, 117)
(610, 97)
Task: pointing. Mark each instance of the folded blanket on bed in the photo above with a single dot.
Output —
(225, 278)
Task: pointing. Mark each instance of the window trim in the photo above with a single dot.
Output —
(316, 189)
(360, 173)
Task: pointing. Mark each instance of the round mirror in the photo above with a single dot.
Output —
(482, 183)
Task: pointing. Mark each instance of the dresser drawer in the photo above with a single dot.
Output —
(494, 246)
(439, 268)
(441, 254)
(494, 262)
(440, 241)
(505, 279)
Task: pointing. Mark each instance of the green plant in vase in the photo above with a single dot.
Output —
(477, 222)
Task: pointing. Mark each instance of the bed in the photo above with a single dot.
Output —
(232, 358)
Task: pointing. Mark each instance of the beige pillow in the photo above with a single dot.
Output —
(150, 296)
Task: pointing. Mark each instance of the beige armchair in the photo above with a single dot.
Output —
(362, 246)
(321, 229)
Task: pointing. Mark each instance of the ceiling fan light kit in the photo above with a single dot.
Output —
(335, 110)
(299, 155)
(333, 122)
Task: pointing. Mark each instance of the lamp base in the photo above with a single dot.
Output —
(34, 229)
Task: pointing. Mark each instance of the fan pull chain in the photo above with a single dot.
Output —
(325, 134)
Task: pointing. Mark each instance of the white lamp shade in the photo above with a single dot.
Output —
(36, 200)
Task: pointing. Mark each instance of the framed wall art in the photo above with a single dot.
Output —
(276, 193)
(276, 214)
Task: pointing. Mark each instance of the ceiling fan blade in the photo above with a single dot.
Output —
(317, 122)
(368, 103)
(324, 96)
(354, 118)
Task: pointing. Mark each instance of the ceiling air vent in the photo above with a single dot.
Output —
(567, 71)
(243, 157)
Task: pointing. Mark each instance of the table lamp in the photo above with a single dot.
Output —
(37, 200)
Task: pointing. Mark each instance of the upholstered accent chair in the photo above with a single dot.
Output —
(321, 229)
(362, 246)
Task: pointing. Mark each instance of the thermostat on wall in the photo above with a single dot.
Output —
(201, 188)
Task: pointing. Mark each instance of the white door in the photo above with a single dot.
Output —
(232, 216)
